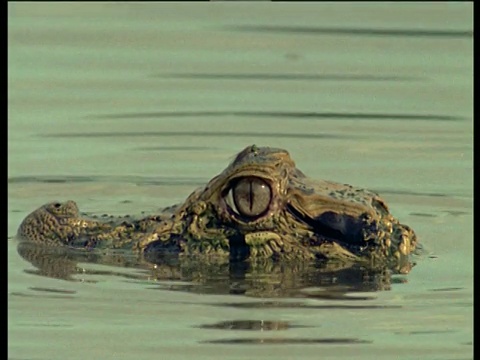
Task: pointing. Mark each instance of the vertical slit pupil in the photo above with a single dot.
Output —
(252, 196)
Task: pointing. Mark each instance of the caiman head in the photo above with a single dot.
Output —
(261, 205)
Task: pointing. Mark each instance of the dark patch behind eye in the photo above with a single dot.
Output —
(349, 226)
(323, 226)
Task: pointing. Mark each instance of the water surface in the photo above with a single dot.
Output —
(128, 107)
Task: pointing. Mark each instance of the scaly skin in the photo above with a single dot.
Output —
(260, 206)
(58, 223)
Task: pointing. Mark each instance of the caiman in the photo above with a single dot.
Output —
(260, 206)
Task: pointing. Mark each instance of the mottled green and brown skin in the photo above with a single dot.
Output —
(260, 206)
(58, 223)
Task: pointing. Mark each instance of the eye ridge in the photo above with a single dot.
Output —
(248, 197)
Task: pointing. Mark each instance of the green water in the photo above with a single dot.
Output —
(128, 107)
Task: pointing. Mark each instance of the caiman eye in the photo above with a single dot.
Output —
(249, 197)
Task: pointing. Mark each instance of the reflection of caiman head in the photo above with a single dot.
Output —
(262, 278)
(260, 206)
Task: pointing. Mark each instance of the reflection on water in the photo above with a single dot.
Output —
(266, 326)
(259, 278)
(255, 325)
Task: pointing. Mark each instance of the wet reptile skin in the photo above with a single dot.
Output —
(260, 206)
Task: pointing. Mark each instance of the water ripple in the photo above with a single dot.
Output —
(353, 31)
(289, 77)
(282, 114)
(286, 341)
